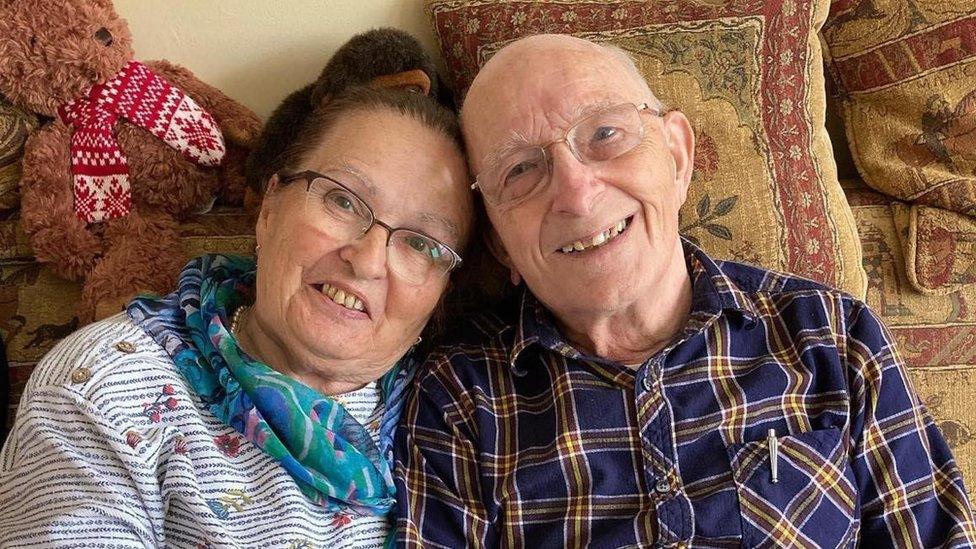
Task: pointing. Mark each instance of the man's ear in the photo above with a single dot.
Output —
(497, 249)
(680, 141)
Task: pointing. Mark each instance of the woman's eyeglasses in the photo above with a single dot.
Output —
(412, 255)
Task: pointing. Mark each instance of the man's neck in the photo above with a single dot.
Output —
(642, 328)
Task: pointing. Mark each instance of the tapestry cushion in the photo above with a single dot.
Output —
(15, 124)
(906, 76)
(749, 75)
(939, 246)
(935, 333)
(37, 308)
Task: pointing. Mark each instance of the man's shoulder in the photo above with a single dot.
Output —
(474, 343)
(754, 280)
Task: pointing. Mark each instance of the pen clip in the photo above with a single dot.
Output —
(773, 444)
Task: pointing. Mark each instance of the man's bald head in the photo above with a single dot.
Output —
(540, 67)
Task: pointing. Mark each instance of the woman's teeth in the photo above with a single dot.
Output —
(599, 240)
(348, 301)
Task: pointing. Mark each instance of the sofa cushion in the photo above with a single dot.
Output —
(15, 124)
(750, 78)
(37, 308)
(906, 76)
(939, 247)
(935, 333)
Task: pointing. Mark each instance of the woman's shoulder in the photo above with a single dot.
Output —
(97, 351)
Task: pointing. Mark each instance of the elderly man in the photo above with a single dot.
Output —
(639, 392)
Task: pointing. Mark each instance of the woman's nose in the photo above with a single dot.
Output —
(367, 254)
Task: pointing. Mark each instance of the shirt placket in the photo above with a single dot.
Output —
(654, 417)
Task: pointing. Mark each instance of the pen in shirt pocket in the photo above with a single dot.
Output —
(773, 456)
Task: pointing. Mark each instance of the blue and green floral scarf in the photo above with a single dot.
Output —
(330, 455)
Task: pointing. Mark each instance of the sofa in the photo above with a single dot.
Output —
(834, 140)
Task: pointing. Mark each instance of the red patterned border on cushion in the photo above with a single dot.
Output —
(908, 57)
(465, 27)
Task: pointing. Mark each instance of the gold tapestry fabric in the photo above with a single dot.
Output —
(37, 308)
(906, 75)
(935, 333)
(939, 247)
(749, 75)
(15, 125)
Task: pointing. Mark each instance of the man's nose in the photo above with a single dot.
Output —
(367, 254)
(574, 185)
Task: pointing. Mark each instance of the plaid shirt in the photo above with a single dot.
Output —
(514, 438)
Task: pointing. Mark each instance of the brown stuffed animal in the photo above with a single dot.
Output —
(52, 53)
(380, 58)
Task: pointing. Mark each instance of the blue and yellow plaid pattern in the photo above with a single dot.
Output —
(514, 438)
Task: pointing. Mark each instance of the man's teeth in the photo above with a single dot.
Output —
(599, 240)
(348, 301)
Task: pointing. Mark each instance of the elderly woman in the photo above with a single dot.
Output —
(254, 406)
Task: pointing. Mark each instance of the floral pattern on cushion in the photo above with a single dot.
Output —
(749, 77)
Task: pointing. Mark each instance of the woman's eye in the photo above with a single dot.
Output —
(418, 244)
(343, 202)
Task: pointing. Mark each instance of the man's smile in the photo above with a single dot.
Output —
(597, 239)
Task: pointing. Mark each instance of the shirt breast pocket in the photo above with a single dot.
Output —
(814, 502)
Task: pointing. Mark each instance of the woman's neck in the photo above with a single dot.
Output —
(261, 345)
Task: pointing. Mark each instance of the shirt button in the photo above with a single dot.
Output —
(662, 487)
(125, 347)
(648, 382)
(80, 375)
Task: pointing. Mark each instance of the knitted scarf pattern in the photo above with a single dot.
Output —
(140, 96)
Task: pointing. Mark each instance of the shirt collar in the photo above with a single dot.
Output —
(713, 292)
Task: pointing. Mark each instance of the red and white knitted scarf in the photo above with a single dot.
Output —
(101, 173)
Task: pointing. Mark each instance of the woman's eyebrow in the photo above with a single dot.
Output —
(440, 220)
(367, 185)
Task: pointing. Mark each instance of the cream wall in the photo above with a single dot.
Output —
(258, 51)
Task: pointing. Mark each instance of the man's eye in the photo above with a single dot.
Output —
(605, 133)
(520, 169)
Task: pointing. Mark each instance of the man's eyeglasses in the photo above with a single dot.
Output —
(520, 174)
(413, 256)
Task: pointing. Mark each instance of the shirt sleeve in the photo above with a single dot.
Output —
(439, 495)
(911, 490)
(70, 479)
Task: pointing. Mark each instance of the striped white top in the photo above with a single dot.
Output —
(111, 448)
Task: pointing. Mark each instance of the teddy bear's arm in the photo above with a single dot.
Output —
(239, 124)
(56, 234)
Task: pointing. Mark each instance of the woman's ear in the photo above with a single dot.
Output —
(497, 249)
(265, 214)
(680, 141)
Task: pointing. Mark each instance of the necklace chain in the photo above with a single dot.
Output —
(235, 320)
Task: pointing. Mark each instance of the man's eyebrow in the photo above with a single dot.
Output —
(582, 111)
(507, 145)
(516, 140)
